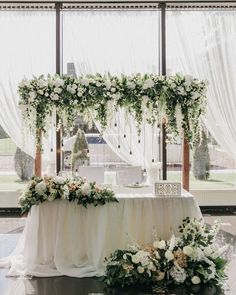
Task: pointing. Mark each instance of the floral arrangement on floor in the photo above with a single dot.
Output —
(191, 259)
(41, 189)
(178, 100)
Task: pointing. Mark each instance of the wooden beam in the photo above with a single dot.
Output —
(38, 155)
(185, 166)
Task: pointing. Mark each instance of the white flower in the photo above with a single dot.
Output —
(131, 85)
(188, 250)
(85, 188)
(151, 266)
(59, 180)
(40, 91)
(196, 280)
(195, 95)
(135, 259)
(85, 81)
(159, 244)
(54, 96)
(71, 89)
(178, 274)
(40, 188)
(148, 84)
(42, 83)
(140, 269)
(169, 255)
(58, 82)
(58, 90)
(32, 96)
(66, 192)
(124, 256)
(108, 85)
(113, 89)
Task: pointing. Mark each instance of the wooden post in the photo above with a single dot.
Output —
(38, 155)
(185, 166)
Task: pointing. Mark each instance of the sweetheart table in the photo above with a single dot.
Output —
(63, 238)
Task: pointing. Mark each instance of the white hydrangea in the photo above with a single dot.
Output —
(149, 83)
(178, 274)
(40, 188)
(54, 96)
(159, 244)
(86, 188)
(59, 180)
(32, 96)
(58, 82)
(85, 81)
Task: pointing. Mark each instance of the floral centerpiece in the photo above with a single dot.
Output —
(41, 189)
(192, 258)
(179, 100)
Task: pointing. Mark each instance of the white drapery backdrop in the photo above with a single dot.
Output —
(27, 48)
(203, 44)
(117, 42)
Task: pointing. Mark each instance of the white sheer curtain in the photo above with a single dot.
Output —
(203, 44)
(116, 42)
(27, 48)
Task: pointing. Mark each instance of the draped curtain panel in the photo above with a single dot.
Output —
(27, 48)
(203, 44)
(117, 42)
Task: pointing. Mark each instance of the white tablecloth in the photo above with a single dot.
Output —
(62, 238)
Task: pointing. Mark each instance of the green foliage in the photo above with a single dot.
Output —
(191, 259)
(179, 100)
(41, 189)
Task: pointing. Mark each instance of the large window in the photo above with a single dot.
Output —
(27, 48)
(202, 43)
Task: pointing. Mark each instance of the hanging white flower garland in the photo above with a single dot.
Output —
(180, 100)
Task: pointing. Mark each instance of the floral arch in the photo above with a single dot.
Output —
(177, 100)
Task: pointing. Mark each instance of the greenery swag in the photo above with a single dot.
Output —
(179, 100)
(47, 188)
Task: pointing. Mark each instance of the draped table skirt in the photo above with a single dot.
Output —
(63, 238)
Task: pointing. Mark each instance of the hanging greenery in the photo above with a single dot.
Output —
(179, 100)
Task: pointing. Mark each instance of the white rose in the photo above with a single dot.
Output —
(59, 180)
(135, 259)
(188, 250)
(108, 85)
(140, 269)
(86, 189)
(40, 188)
(131, 85)
(196, 280)
(58, 82)
(41, 92)
(57, 90)
(32, 96)
(169, 255)
(113, 89)
(159, 244)
(54, 96)
(148, 84)
(85, 82)
(41, 83)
